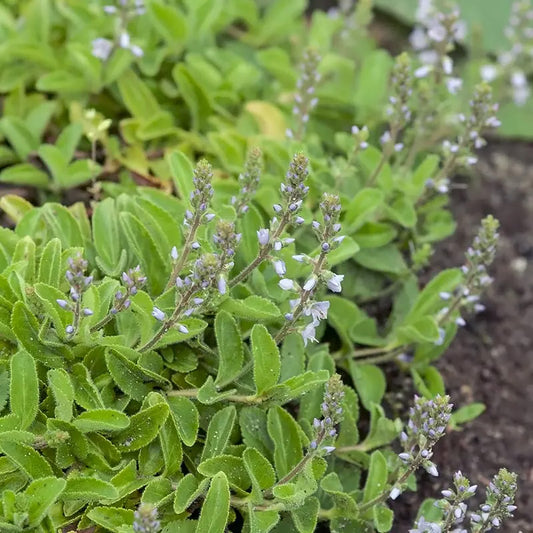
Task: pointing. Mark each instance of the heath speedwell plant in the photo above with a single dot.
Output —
(188, 351)
(186, 392)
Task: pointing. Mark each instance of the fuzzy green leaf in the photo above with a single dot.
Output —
(219, 432)
(251, 308)
(267, 362)
(143, 429)
(88, 489)
(230, 348)
(101, 420)
(63, 392)
(214, 515)
(186, 418)
(24, 389)
(42, 494)
(284, 432)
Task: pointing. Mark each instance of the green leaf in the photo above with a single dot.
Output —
(101, 420)
(262, 521)
(50, 263)
(267, 363)
(423, 329)
(219, 432)
(187, 491)
(185, 417)
(372, 85)
(466, 414)
(63, 392)
(19, 136)
(129, 376)
(33, 464)
(143, 429)
(111, 258)
(383, 518)
(429, 299)
(261, 472)
(230, 348)
(25, 174)
(284, 432)
(359, 210)
(154, 266)
(111, 518)
(86, 393)
(253, 424)
(377, 476)
(137, 97)
(24, 389)
(215, 510)
(42, 494)
(231, 465)
(182, 172)
(168, 21)
(428, 381)
(251, 308)
(88, 489)
(305, 517)
(386, 259)
(370, 383)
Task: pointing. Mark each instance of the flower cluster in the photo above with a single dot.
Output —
(305, 305)
(499, 503)
(479, 257)
(453, 502)
(79, 283)
(146, 519)
(200, 199)
(515, 64)
(398, 110)
(248, 180)
(132, 281)
(305, 99)
(127, 9)
(293, 192)
(434, 39)
(427, 423)
(325, 427)
(460, 153)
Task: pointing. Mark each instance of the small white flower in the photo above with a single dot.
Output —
(431, 469)
(102, 48)
(279, 267)
(318, 310)
(518, 79)
(69, 329)
(174, 253)
(447, 65)
(299, 258)
(158, 314)
(308, 333)
(286, 284)
(394, 493)
(488, 72)
(334, 283)
(263, 236)
(423, 71)
(454, 85)
(183, 329)
(221, 284)
(136, 50)
(124, 40)
(310, 284)
(418, 38)
(437, 33)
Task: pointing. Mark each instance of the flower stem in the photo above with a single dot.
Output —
(178, 266)
(263, 253)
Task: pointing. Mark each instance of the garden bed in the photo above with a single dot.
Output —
(490, 359)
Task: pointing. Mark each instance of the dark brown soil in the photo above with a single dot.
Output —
(491, 360)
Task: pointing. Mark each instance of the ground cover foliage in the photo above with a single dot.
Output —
(199, 346)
